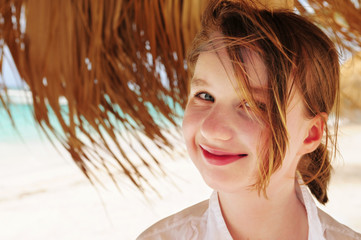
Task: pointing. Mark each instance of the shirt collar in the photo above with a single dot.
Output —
(315, 230)
(217, 228)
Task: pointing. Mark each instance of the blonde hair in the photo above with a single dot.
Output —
(298, 56)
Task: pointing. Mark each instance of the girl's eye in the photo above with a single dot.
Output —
(205, 96)
(262, 106)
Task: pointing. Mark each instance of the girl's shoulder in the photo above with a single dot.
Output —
(179, 224)
(335, 230)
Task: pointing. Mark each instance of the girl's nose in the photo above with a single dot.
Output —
(217, 126)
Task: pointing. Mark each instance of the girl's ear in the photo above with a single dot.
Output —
(314, 133)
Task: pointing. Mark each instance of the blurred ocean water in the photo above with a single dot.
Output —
(22, 125)
(22, 116)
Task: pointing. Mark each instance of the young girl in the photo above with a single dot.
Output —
(264, 84)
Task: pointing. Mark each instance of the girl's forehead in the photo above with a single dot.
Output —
(248, 65)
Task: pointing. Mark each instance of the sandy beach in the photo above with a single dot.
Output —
(44, 196)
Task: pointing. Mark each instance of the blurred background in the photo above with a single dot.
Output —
(91, 108)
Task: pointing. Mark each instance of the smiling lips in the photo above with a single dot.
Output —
(220, 158)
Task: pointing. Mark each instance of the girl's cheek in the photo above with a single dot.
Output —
(196, 109)
(190, 119)
(193, 117)
(189, 131)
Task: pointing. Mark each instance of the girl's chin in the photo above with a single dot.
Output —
(225, 183)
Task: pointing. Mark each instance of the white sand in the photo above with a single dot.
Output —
(44, 196)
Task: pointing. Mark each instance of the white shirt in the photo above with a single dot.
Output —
(205, 221)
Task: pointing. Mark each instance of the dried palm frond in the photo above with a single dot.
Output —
(121, 67)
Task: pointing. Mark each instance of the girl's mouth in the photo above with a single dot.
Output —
(220, 158)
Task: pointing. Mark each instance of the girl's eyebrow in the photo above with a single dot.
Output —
(198, 82)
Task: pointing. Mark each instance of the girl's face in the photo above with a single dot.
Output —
(222, 139)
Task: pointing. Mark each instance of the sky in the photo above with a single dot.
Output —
(10, 75)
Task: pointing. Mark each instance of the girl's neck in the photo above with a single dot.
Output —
(252, 216)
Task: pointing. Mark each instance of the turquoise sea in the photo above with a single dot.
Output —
(24, 128)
